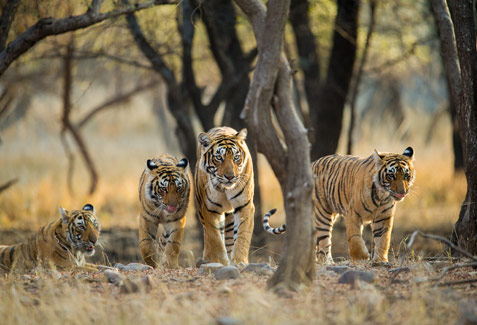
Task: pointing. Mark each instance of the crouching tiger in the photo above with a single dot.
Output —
(363, 191)
(60, 244)
(164, 195)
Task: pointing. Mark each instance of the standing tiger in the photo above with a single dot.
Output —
(164, 195)
(363, 190)
(60, 244)
(224, 194)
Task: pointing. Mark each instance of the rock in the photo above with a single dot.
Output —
(241, 266)
(339, 269)
(468, 312)
(113, 276)
(186, 258)
(133, 267)
(351, 276)
(129, 286)
(228, 321)
(209, 268)
(227, 273)
(200, 261)
(259, 268)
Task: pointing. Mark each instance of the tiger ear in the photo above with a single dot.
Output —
(183, 163)
(409, 152)
(204, 139)
(89, 207)
(378, 158)
(242, 134)
(64, 215)
(151, 164)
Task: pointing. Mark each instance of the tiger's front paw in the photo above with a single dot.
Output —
(357, 249)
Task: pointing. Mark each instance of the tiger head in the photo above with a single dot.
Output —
(82, 229)
(223, 158)
(395, 172)
(168, 184)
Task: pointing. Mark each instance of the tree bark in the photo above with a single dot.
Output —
(290, 160)
(327, 115)
(8, 14)
(50, 26)
(466, 226)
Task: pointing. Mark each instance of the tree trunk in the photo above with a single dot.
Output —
(290, 161)
(327, 116)
(466, 226)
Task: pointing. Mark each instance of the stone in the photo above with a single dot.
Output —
(228, 321)
(227, 273)
(209, 268)
(133, 267)
(259, 268)
(351, 276)
(113, 276)
(339, 269)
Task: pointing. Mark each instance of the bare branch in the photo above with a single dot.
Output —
(5, 186)
(116, 100)
(156, 60)
(441, 239)
(50, 26)
(95, 6)
(8, 14)
(357, 80)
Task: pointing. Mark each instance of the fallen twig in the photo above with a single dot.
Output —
(8, 184)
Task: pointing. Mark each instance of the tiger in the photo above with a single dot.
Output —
(224, 188)
(164, 196)
(61, 244)
(363, 191)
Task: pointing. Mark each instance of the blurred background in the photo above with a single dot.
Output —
(81, 112)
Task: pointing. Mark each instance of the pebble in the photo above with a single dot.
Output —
(227, 273)
(339, 269)
(112, 276)
(210, 268)
(133, 267)
(351, 276)
(259, 268)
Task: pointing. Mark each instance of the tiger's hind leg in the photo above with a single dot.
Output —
(323, 227)
(382, 227)
(147, 241)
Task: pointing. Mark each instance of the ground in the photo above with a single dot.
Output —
(186, 297)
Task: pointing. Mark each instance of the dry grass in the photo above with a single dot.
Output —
(121, 143)
(184, 297)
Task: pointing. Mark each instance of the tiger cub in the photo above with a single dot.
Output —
(363, 190)
(164, 195)
(224, 194)
(61, 244)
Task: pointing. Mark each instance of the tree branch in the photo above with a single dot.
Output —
(50, 26)
(114, 101)
(357, 80)
(8, 14)
(5, 186)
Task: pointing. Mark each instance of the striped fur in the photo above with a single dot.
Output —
(224, 194)
(164, 195)
(276, 231)
(363, 191)
(60, 244)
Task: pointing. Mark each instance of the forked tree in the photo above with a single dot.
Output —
(270, 93)
(459, 53)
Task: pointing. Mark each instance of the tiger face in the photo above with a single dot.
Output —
(82, 229)
(395, 172)
(224, 158)
(167, 186)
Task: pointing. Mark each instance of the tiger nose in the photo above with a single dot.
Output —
(229, 177)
